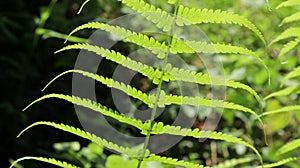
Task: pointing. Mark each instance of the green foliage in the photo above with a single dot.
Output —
(241, 106)
(290, 32)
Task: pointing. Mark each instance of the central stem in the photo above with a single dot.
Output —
(159, 87)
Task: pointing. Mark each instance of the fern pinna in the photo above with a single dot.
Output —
(294, 144)
(291, 32)
(182, 16)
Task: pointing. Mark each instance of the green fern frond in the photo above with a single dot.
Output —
(172, 161)
(288, 3)
(293, 74)
(279, 163)
(281, 110)
(88, 136)
(131, 91)
(197, 101)
(180, 46)
(162, 102)
(189, 16)
(148, 71)
(153, 74)
(288, 33)
(290, 146)
(284, 92)
(205, 79)
(294, 17)
(46, 160)
(232, 162)
(160, 128)
(94, 106)
(160, 49)
(289, 46)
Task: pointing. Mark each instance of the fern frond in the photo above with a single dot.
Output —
(187, 46)
(160, 49)
(288, 33)
(290, 146)
(131, 91)
(281, 110)
(160, 128)
(288, 3)
(189, 16)
(284, 92)
(289, 46)
(148, 71)
(279, 163)
(46, 160)
(172, 161)
(232, 162)
(293, 74)
(88, 136)
(294, 17)
(205, 79)
(93, 106)
(197, 101)
(153, 74)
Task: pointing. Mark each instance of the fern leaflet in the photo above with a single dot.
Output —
(131, 91)
(137, 38)
(281, 110)
(289, 46)
(290, 146)
(279, 163)
(88, 136)
(288, 3)
(189, 16)
(94, 106)
(197, 101)
(288, 33)
(284, 92)
(294, 17)
(159, 128)
(46, 160)
(293, 74)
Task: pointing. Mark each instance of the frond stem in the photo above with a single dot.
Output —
(154, 110)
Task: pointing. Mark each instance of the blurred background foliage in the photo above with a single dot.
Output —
(31, 31)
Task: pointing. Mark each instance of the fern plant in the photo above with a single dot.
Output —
(291, 32)
(182, 16)
(295, 143)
